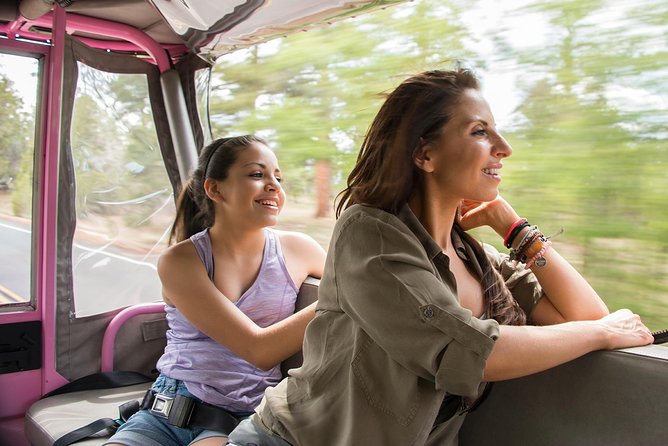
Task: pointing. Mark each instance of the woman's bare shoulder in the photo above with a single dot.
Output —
(177, 254)
(297, 240)
(302, 249)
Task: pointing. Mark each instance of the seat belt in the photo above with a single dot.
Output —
(180, 411)
(98, 381)
(102, 380)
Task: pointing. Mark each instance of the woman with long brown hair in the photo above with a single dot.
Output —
(414, 315)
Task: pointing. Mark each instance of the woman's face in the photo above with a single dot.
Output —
(464, 162)
(252, 190)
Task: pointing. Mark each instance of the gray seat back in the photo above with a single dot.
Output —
(604, 398)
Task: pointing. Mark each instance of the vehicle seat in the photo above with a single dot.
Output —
(50, 418)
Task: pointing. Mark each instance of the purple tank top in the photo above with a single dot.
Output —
(210, 371)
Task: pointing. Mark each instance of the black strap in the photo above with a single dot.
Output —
(87, 430)
(103, 380)
(660, 337)
(213, 418)
(96, 381)
(188, 412)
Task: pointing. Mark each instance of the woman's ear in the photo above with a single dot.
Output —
(211, 190)
(422, 158)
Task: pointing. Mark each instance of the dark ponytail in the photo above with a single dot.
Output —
(194, 209)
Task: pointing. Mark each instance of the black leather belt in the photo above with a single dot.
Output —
(182, 411)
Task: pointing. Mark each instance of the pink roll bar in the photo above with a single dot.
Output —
(114, 326)
(104, 28)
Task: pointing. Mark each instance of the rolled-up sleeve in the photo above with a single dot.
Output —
(387, 285)
(521, 282)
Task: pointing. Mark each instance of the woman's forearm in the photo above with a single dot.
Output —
(523, 350)
(281, 340)
(570, 294)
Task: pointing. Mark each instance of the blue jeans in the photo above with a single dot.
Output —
(145, 429)
(247, 433)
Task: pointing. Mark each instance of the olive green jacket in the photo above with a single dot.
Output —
(389, 339)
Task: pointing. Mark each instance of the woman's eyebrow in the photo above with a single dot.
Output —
(261, 165)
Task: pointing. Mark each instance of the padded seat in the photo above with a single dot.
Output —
(49, 419)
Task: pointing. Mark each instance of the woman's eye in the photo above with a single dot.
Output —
(480, 132)
(279, 179)
(256, 174)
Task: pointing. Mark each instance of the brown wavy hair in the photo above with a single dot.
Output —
(194, 209)
(385, 175)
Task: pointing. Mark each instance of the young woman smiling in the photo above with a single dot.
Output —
(229, 284)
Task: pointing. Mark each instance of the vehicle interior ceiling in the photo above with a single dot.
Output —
(211, 29)
(139, 14)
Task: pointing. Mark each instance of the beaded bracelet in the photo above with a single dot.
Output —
(539, 259)
(531, 249)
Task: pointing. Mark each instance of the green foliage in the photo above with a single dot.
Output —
(15, 127)
(588, 131)
(118, 163)
(21, 198)
(588, 121)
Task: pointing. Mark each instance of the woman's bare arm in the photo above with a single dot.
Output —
(186, 285)
(524, 350)
(569, 295)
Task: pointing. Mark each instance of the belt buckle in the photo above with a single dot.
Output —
(161, 405)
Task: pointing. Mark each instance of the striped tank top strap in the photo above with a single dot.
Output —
(275, 248)
(202, 244)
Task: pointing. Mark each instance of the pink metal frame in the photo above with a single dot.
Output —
(19, 390)
(114, 326)
(132, 39)
(46, 281)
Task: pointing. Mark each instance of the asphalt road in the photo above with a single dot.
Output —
(105, 276)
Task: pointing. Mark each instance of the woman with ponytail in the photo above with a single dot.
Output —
(229, 283)
(414, 315)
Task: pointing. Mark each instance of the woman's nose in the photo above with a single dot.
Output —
(272, 185)
(501, 148)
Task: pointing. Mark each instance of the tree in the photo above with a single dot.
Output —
(14, 130)
(315, 110)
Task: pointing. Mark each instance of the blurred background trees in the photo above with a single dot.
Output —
(579, 88)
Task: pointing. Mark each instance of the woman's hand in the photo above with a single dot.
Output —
(497, 214)
(625, 329)
(523, 350)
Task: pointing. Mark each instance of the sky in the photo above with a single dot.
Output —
(23, 73)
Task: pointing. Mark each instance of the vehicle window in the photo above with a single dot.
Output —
(18, 92)
(580, 89)
(202, 78)
(124, 201)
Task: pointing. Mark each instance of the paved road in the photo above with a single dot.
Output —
(14, 262)
(105, 277)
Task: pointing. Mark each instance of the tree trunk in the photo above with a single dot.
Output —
(323, 173)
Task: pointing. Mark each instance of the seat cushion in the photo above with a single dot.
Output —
(51, 418)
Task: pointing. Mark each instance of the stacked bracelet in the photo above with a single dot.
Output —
(515, 229)
(532, 246)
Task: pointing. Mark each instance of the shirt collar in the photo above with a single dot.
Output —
(407, 216)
